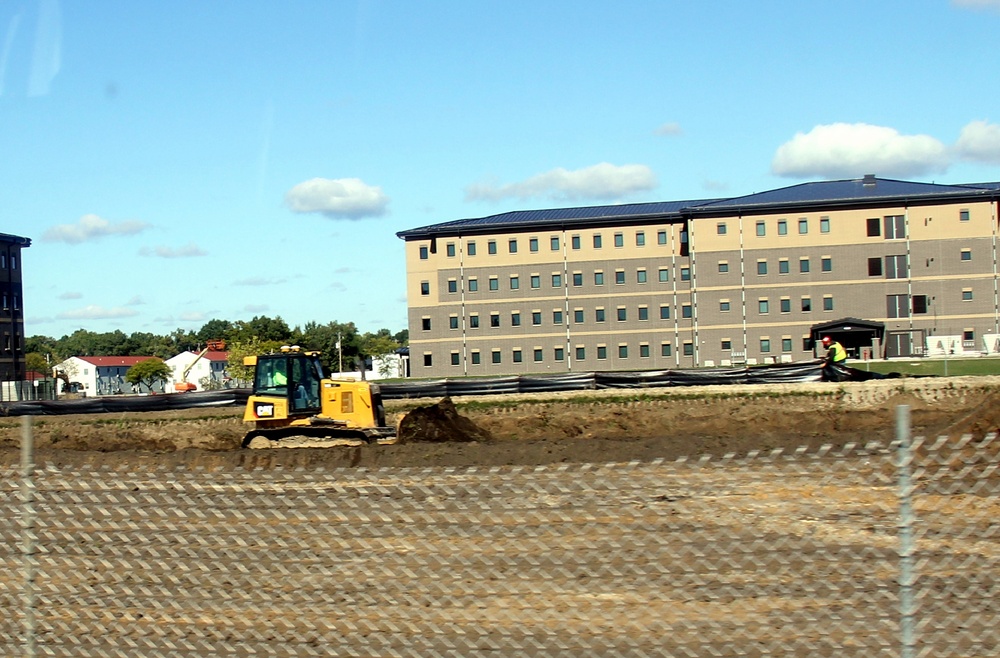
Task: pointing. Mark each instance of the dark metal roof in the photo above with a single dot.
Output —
(829, 194)
(15, 239)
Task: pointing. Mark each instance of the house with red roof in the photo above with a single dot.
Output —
(205, 371)
(102, 375)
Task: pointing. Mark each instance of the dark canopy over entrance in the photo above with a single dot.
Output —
(853, 333)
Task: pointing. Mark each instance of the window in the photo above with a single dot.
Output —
(969, 334)
(515, 319)
(515, 356)
(557, 317)
(688, 348)
(577, 279)
(824, 225)
(966, 254)
(491, 247)
(559, 354)
(452, 285)
(470, 248)
(494, 283)
(623, 351)
(804, 266)
(619, 276)
(557, 280)
(724, 305)
(665, 349)
(450, 249)
(515, 282)
(686, 311)
(581, 353)
(619, 239)
(661, 237)
(761, 229)
(874, 227)
(664, 275)
(786, 305)
(597, 240)
(598, 315)
(640, 276)
(827, 303)
(622, 314)
(454, 358)
(685, 274)
(967, 294)
(763, 306)
(536, 355)
(875, 266)
(512, 245)
(532, 245)
(474, 321)
(578, 316)
(664, 312)
(423, 253)
(782, 227)
(575, 241)
(826, 264)
(602, 352)
(554, 243)
(895, 267)
(453, 322)
(786, 344)
(762, 267)
(803, 226)
(963, 215)
(720, 228)
(425, 324)
(428, 359)
(536, 281)
(765, 345)
(919, 304)
(723, 267)
(425, 288)
(536, 318)
(598, 278)
(643, 312)
(496, 356)
(807, 305)
(896, 306)
(783, 266)
(476, 358)
(473, 284)
(494, 319)
(895, 227)
(727, 344)
(644, 350)
(640, 238)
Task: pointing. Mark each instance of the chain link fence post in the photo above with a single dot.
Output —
(28, 539)
(907, 576)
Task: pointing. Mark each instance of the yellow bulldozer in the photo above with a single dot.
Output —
(294, 405)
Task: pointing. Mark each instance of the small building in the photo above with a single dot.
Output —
(206, 371)
(102, 375)
(12, 368)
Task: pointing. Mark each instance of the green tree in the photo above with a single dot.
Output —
(36, 362)
(238, 350)
(148, 372)
(215, 330)
(262, 328)
(324, 339)
(378, 346)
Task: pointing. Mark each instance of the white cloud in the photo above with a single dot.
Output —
(97, 313)
(980, 141)
(842, 150)
(977, 4)
(601, 181)
(342, 198)
(91, 227)
(71, 295)
(258, 281)
(193, 316)
(136, 300)
(190, 250)
(668, 129)
(256, 308)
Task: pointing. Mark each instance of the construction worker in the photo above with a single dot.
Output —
(835, 352)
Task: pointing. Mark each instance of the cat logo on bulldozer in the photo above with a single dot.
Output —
(264, 410)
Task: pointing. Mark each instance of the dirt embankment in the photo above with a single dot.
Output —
(594, 426)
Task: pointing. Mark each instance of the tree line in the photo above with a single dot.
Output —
(257, 336)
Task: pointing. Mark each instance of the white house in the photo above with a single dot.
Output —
(101, 375)
(204, 371)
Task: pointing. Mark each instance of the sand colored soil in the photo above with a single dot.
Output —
(594, 426)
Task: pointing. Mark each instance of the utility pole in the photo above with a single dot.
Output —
(340, 356)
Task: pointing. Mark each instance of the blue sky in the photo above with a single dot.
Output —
(183, 161)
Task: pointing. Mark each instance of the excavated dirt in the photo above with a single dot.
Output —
(593, 426)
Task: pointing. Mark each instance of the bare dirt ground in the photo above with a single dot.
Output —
(594, 426)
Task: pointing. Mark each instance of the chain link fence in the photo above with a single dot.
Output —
(865, 550)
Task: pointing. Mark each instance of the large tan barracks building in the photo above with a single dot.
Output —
(890, 268)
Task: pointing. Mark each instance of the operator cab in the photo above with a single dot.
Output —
(291, 374)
